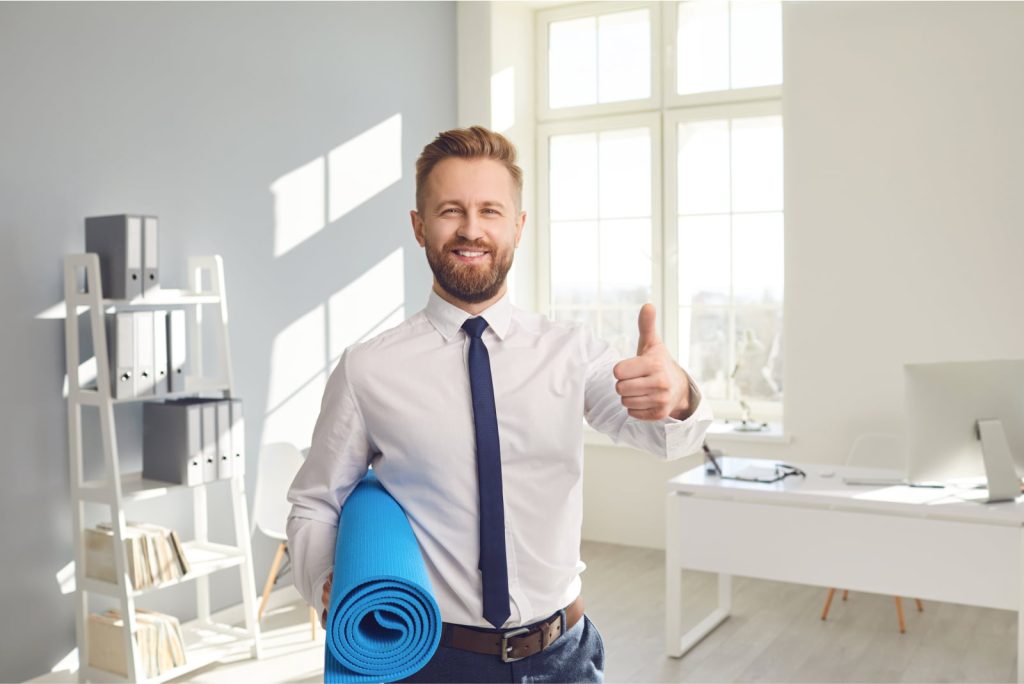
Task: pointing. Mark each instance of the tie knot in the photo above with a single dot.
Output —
(475, 327)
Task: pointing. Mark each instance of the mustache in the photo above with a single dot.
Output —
(478, 244)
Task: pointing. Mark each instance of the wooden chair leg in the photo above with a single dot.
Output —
(312, 621)
(846, 593)
(271, 577)
(899, 614)
(920, 606)
(828, 603)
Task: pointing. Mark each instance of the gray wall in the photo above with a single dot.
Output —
(190, 112)
(903, 150)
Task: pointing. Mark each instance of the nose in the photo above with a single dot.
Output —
(471, 228)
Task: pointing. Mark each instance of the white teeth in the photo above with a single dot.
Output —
(469, 254)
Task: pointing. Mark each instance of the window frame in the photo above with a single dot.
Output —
(672, 99)
(545, 17)
(545, 132)
(663, 111)
(723, 408)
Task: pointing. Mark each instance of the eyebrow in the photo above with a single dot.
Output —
(485, 203)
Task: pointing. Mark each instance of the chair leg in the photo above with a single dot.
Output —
(271, 577)
(846, 594)
(828, 603)
(899, 614)
(312, 621)
(920, 606)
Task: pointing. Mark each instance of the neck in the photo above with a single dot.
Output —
(474, 308)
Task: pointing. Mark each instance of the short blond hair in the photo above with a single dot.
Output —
(475, 142)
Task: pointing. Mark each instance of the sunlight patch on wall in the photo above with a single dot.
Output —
(87, 374)
(364, 166)
(327, 188)
(305, 353)
(298, 205)
(68, 663)
(58, 311)
(374, 302)
(297, 380)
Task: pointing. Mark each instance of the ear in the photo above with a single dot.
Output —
(520, 226)
(417, 227)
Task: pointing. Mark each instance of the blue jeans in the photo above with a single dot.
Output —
(577, 656)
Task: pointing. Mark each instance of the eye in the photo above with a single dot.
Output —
(449, 209)
(492, 211)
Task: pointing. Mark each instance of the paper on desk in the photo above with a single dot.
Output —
(757, 473)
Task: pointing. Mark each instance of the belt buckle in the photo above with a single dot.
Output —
(505, 648)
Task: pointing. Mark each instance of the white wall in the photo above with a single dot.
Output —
(904, 226)
(220, 118)
(496, 90)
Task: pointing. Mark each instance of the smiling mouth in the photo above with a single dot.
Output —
(469, 254)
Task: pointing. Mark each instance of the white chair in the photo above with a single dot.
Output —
(278, 464)
(876, 450)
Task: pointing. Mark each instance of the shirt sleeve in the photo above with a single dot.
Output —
(339, 457)
(667, 438)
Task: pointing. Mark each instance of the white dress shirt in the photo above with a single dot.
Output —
(401, 402)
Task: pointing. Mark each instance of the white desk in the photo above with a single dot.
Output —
(902, 541)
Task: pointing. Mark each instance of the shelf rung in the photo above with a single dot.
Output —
(205, 558)
(204, 644)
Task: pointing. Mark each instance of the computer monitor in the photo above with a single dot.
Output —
(945, 402)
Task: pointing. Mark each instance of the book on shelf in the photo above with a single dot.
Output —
(158, 637)
(155, 554)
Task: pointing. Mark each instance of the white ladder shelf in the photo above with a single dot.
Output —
(205, 640)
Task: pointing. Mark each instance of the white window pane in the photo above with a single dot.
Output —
(572, 62)
(574, 265)
(758, 354)
(573, 184)
(704, 260)
(758, 258)
(624, 56)
(756, 45)
(625, 262)
(704, 349)
(702, 47)
(619, 328)
(757, 164)
(703, 167)
(625, 187)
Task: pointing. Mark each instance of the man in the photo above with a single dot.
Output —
(469, 412)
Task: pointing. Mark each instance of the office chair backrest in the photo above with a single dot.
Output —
(878, 450)
(278, 464)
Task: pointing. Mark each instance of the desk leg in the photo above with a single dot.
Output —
(678, 643)
(1020, 617)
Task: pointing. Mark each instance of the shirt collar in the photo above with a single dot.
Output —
(448, 318)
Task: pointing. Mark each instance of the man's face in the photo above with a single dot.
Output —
(469, 226)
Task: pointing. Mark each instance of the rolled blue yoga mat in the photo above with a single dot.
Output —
(383, 623)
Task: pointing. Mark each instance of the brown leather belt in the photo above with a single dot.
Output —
(516, 643)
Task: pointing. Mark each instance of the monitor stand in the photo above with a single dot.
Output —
(1003, 483)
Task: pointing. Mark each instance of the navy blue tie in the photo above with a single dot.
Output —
(493, 566)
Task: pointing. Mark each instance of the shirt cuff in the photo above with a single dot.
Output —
(684, 437)
(318, 588)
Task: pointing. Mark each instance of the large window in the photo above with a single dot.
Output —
(665, 184)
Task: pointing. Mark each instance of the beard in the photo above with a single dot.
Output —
(472, 283)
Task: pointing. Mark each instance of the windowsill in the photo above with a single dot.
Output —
(719, 431)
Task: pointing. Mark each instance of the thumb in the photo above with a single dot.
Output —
(648, 329)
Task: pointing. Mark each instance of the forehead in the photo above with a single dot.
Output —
(470, 180)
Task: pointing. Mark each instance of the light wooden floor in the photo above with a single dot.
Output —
(773, 635)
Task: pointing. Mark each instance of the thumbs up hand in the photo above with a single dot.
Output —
(651, 384)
